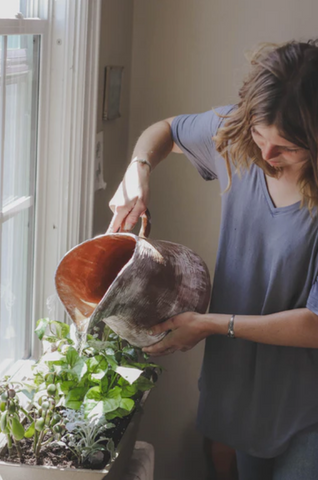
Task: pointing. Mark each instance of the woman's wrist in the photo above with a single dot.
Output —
(215, 324)
(141, 161)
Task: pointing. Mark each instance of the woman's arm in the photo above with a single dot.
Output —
(290, 328)
(132, 196)
(155, 143)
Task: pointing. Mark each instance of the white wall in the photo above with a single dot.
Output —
(115, 49)
(188, 55)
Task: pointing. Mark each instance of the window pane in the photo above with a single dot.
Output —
(19, 89)
(28, 8)
(9, 9)
(15, 287)
(20, 116)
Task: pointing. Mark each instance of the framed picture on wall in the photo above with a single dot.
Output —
(112, 92)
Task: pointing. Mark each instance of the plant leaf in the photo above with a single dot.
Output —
(110, 404)
(112, 361)
(50, 339)
(41, 326)
(52, 357)
(62, 330)
(80, 368)
(75, 397)
(97, 364)
(144, 384)
(114, 392)
(127, 404)
(130, 352)
(71, 356)
(111, 448)
(28, 391)
(128, 391)
(73, 404)
(89, 405)
(119, 413)
(94, 393)
(76, 393)
(67, 385)
(99, 344)
(30, 431)
(104, 384)
(97, 376)
(128, 373)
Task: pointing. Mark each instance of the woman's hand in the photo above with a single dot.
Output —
(131, 198)
(186, 330)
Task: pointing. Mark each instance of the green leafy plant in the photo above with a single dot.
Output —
(39, 421)
(10, 408)
(73, 397)
(47, 424)
(85, 437)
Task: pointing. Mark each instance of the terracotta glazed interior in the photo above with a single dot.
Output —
(86, 272)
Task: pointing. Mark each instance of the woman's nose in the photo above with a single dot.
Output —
(268, 152)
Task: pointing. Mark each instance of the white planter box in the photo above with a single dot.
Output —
(113, 471)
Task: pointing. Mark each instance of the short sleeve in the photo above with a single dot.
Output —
(312, 302)
(193, 135)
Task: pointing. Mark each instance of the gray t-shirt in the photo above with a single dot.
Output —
(254, 397)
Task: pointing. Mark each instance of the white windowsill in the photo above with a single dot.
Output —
(15, 207)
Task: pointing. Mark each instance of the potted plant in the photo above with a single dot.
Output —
(77, 414)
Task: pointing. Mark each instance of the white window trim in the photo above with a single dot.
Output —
(90, 120)
(13, 26)
(15, 207)
(65, 182)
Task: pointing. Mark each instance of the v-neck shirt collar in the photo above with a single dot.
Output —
(274, 210)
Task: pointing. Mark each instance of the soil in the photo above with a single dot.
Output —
(61, 457)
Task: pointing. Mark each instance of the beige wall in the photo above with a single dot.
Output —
(187, 56)
(115, 49)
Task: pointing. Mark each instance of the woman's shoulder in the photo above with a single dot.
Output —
(219, 115)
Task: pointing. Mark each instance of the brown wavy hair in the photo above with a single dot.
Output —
(281, 90)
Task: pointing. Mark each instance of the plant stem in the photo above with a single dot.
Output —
(47, 441)
(17, 446)
(35, 440)
(39, 444)
(9, 442)
(26, 414)
(113, 381)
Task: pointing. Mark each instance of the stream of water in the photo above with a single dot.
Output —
(81, 340)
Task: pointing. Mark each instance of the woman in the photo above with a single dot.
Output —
(259, 379)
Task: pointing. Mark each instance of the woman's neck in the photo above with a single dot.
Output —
(284, 190)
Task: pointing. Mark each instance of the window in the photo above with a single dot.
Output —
(19, 87)
(48, 102)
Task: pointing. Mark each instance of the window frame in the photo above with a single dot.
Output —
(66, 137)
(16, 206)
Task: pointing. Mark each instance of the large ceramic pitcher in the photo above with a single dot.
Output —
(131, 283)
